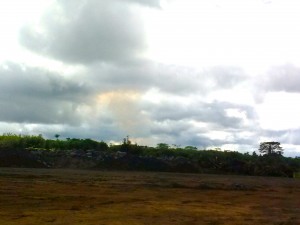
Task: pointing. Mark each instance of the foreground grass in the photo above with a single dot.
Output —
(35, 196)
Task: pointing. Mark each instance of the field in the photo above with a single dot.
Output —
(52, 196)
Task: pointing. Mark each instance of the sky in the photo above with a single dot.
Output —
(205, 73)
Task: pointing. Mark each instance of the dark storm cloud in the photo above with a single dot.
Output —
(37, 96)
(88, 31)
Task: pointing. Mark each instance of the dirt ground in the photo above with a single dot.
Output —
(50, 196)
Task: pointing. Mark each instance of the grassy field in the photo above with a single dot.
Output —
(46, 196)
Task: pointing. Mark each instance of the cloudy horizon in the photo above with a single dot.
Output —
(191, 73)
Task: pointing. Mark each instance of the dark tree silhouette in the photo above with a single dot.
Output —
(271, 147)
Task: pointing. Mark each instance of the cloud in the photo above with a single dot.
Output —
(283, 78)
(106, 77)
(152, 3)
(201, 123)
(38, 101)
(107, 99)
(119, 92)
(282, 81)
(225, 77)
(289, 139)
(286, 136)
(214, 112)
(37, 96)
(35, 99)
(186, 132)
(88, 31)
(145, 75)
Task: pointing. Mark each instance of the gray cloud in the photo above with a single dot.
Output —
(288, 137)
(144, 75)
(182, 133)
(182, 80)
(109, 77)
(281, 78)
(37, 96)
(176, 122)
(103, 34)
(88, 31)
(185, 133)
(214, 113)
(170, 121)
(105, 101)
(34, 96)
(222, 77)
(73, 107)
(152, 3)
(291, 136)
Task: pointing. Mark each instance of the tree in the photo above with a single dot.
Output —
(56, 136)
(126, 145)
(190, 148)
(162, 146)
(271, 147)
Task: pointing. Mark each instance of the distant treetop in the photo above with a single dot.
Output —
(271, 147)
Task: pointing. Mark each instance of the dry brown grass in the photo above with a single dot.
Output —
(35, 196)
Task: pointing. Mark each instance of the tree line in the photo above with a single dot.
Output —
(13, 141)
(270, 161)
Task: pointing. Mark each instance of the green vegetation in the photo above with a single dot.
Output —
(29, 142)
(296, 175)
(93, 154)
